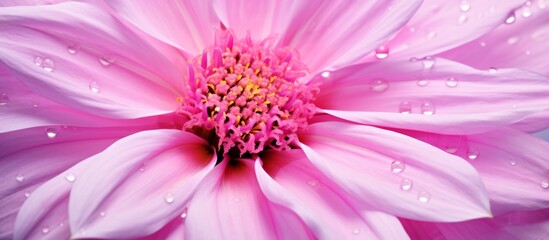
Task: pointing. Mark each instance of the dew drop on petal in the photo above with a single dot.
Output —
(102, 214)
(382, 52)
(413, 59)
(428, 108)
(512, 163)
(424, 197)
(493, 70)
(510, 18)
(405, 107)
(465, 6)
(73, 48)
(184, 214)
(432, 35)
(406, 184)
(325, 74)
(356, 231)
(451, 149)
(20, 178)
(397, 166)
(428, 62)
(526, 12)
(48, 65)
(483, 44)
(27, 194)
(472, 154)
(379, 85)
(35, 104)
(4, 99)
(38, 61)
(451, 82)
(512, 40)
(544, 184)
(422, 83)
(70, 177)
(462, 19)
(51, 132)
(94, 87)
(312, 183)
(106, 61)
(45, 230)
(169, 198)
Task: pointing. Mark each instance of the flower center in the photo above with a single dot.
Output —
(246, 96)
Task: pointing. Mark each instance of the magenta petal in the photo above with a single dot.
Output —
(455, 99)
(138, 184)
(289, 179)
(395, 173)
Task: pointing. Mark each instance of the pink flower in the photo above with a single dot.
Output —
(274, 119)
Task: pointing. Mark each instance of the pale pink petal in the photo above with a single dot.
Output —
(288, 178)
(29, 159)
(327, 34)
(533, 123)
(138, 184)
(443, 25)
(513, 166)
(395, 173)
(187, 25)
(522, 44)
(85, 59)
(447, 97)
(230, 203)
(8, 3)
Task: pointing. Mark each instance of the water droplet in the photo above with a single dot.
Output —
(451, 149)
(544, 184)
(45, 230)
(236, 200)
(428, 62)
(472, 154)
(102, 214)
(4, 99)
(465, 6)
(512, 163)
(48, 65)
(432, 35)
(169, 198)
(356, 231)
(526, 12)
(428, 108)
(38, 61)
(51, 132)
(27, 194)
(424, 196)
(510, 18)
(493, 70)
(379, 85)
(462, 19)
(406, 184)
(35, 104)
(73, 48)
(382, 52)
(514, 106)
(512, 40)
(94, 87)
(397, 166)
(106, 61)
(70, 177)
(412, 29)
(325, 74)
(422, 83)
(183, 214)
(405, 107)
(312, 183)
(451, 82)
(528, 52)
(142, 169)
(413, 59)
(20, 178)
(483, 44)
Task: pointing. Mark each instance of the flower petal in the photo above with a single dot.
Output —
(533, 123)
(522, 44)
(138, 185)
(395, 173)
(442, 25)
(83, 58)
(453, 98)
(230, 204)
(327, 35)
(291, 180)
(187, 25)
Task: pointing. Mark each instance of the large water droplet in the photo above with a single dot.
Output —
(94, 87)
(70, 177)
(20, 178)
(511, 18)
(38, 61)
(428, 62)
(356, 231)
(106, 61)
(48, 65)
(382, 52)
(423, 196)
(51, 132)
(472, 153)
(405, 107)
(169, 198)
(379, 85)
(4, 99)
(45, 230)
(397, 166)
(465, 6)
(73, 48)
(406, 184)
(462, 19)
(451, 82)
(428, 108)
(423, 83)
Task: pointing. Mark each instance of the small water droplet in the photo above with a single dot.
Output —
(483, 44)
(382, 52)
(428, 108)
(465, 6)
(462, 19)
(512, 40)
(512, 163)
(169, 198)
(493, 70)
(514, 106)
(27, 194)
(236, 200)
(94, 87)
(4, 99)
(102, 214)
(48, 65)
(432, 35)
(451, 149)
(51, 132)
(312, 183)
(406, 184)
(405, 107)
(73, 48)
(424, 197)
(142, 169)
(20, 178)
(70, 177)
(356, 231)
(428, 62)
(325, 74)
(472, 154)
(38, 61)
(422, 83)
(106, 61)
(544, 184)
(45, 230)
(35, 104)
(397, 166)
(526, 12)
(510, 18)
(379, 85)
(451, 82)
(183, 214)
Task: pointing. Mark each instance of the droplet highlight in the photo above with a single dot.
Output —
(379, 85)
(423, 83)
(428, 62)
(169, 198)
(544, 183)
(397, 166)
(451, 82)
(325, 74)
(493, 70)
(405, 107)
(70, 177)
(406, 184)
(184, 214)
(48, 65)
(20, 178)
(428, 108)
(511, 18)
(465, 6)
(462, 19)
(4, 99)
(73, 48)
(94, 87)
(424, 197)
(51, 133)
(106, 61)
(472, 154)
(382, 52)
(45, 230)
(512, 163)
(38, 61)
(27, 194)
